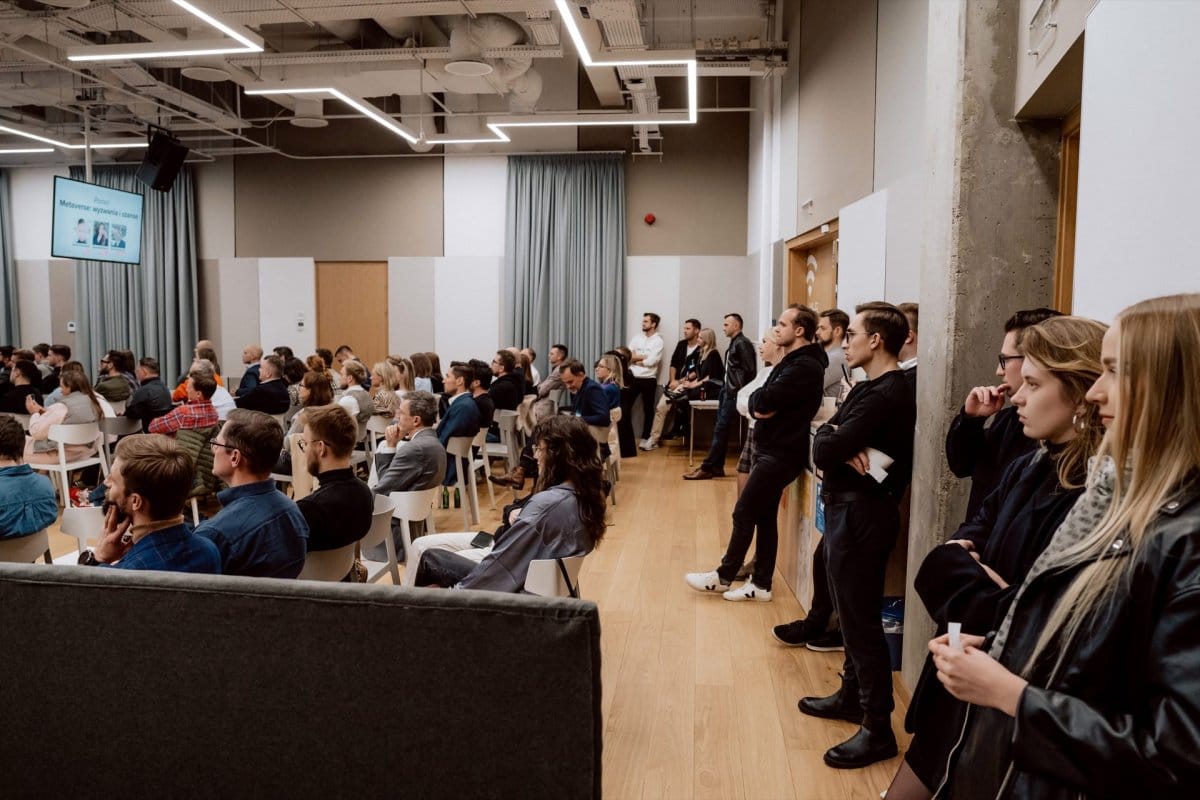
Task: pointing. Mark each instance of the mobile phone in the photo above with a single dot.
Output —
(482, 539)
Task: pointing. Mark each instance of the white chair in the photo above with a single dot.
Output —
(284, 419)
(545, 577)
(460, 448)
(328, 565)
(85, 525)
(374, 431)
(26, 549)
(118, 407)
(410, 507)
(78, 433)
(507, 448)
(381, 533)
(483, 463)
(114, 428)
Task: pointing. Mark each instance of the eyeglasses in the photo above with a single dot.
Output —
(1003, 359)
(851, 333)
(215, 443)
(303, 443)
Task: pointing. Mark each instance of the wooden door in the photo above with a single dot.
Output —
(812, 268)
(352, 307)
(1068, 197)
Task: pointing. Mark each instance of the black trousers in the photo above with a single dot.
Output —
(625, 435)
(821, 611)
(758, 509)
(726, 413)
(443, 568)
(859, 536)
(647, 391)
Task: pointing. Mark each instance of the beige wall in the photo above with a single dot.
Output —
(1049, 81)
(62, 302)
(697, 192)
(342, 209)
(835, 107)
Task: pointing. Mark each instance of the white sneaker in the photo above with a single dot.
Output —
(648, 445)
(705, 581)
(748, 591)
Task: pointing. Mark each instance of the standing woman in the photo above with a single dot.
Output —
(972, 577)
(625, 435)
(79, 405)
(1090, 686)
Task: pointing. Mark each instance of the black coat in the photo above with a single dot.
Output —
(792, 393)
(741, 364)
(1121, 719)
(982, 454)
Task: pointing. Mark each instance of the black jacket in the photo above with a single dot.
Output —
(151, 401)
(793, 392)
(270, 397)
(880, 413)
(12, 400)
(506, 392)
(982, 454)
(1122, 717)
(741, 365)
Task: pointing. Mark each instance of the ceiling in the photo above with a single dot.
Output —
(352, 79)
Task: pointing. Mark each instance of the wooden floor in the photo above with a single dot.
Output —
(699, 700)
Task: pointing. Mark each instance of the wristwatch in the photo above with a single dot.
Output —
(87, 558)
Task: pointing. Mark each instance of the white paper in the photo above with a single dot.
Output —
(955, 631)
(880, 462)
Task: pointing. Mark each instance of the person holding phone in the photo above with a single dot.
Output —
(147, 487)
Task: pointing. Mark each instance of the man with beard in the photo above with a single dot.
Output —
(339, 511)
(831, 331)
(143, 526)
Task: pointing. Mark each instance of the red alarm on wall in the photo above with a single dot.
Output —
(649, 219)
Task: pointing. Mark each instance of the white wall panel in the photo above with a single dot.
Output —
(467, 307)
(862, 251)
(287, 291)
(411, 317)
(32, 192)
(474, 201)
(238, 289)
(652, 285)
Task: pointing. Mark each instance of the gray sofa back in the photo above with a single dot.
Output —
(155, 685)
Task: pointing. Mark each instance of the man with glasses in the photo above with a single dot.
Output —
(980, 453)
(339, 511)
(259, 530)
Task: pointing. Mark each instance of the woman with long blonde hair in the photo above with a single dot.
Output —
(972, 577)
(1090, 685)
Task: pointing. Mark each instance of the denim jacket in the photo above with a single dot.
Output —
(29, 503)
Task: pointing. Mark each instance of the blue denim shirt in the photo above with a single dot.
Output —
(173, 549)
(28, 503)
(260, 532)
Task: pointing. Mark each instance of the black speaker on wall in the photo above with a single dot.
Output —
(162, 163)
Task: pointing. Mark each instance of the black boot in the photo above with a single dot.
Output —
(873, 742)
(842, 704)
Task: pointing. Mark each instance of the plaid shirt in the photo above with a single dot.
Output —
(188, 416)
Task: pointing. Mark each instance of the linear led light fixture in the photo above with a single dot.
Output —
(243, 41)
(361, 106)
(17, 150)
(117, 145)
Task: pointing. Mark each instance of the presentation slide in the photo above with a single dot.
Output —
(96, 223)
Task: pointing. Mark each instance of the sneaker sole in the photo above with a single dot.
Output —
(825, 648)
(786, 643)
(743, 599)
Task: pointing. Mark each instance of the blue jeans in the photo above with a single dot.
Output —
(726, 411)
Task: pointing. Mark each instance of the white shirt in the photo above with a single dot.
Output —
(533, 373)
(223, 402)
(909, 364)
(743, 395)
(651, 349)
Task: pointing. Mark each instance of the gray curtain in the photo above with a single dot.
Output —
(149, 308)
(10, 321)
(564, 254)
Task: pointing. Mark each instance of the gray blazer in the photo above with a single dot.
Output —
(419, 463)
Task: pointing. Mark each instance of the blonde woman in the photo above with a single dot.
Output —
(1089, 686)
(385, 380)
(702, 383)
(406, 374)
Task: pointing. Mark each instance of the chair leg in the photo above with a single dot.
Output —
(487, 475)
(195, 512)
(49, 559)
(393, 566)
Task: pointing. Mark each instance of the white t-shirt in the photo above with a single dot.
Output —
(651, 349)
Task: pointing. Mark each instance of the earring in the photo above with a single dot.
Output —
(1080, 422)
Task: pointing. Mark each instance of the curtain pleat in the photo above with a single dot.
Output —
(148, 308)
(10, 320)
(564, 253)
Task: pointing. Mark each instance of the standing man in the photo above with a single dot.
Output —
(647, 349)
(684, 359)
(783, 407)
(831, 331)
(251, 355)
(866, 453)
(983, 454)
(740, 368)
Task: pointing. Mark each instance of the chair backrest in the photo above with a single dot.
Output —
(118, 406)
(283, 419)
(460, 446)
(77, 433)
(328, 565)
(25, 549)
(378, 424)
(480, 439)
(414, 506)
(599, 433)
(507, 420)
(120, 426)
(381, 522)
(545, 578)
(84, 524)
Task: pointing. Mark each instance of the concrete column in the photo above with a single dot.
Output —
(991, 205)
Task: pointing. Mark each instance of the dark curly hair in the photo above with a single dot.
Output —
(572, 455)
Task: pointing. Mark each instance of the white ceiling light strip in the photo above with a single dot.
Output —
(120, 144)
(361, 106)
(241, 40)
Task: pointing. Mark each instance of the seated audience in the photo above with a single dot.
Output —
(147, 487)
(435, 373)
(611, 380)
(533, 378)
(271, 395)
(315, 392)
(284, 352)
(78, 406)
(204, 352)
(196, 413)
(971, 578)
(293, 373)
(251, 356)
(6, 362)
(126, 364)
(58, 355)
(222, 400)
(343, 354)
(462, 415)
(29, 502)
(563, 518)
(505, 390)
(548, 389)
(702, 380)
(327, 356)
(422, 370)
(259, 530)
(481, 381)
(110, 384)
(385, 385)
(152, 399)
(24, 385)
(1087, 687)
(588, 400)
(339, 511)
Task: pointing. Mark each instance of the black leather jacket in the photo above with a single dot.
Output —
(741, 365)
(1121, 719)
